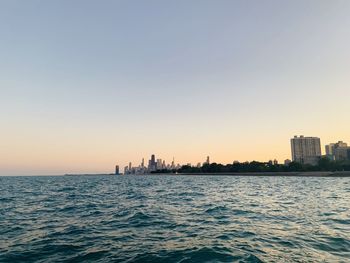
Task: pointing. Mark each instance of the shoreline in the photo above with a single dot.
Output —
(256, 174)
(277, 174)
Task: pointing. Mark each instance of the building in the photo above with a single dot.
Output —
(172, 164)
(152, 164)
(159, 164)
(330, 151)
(306, 150)
(341, 151)
(117, 170)
(287, 162)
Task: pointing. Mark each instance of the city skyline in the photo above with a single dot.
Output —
(305, 150)
(86, 84)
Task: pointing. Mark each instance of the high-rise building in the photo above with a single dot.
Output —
(117, 169)
(207, 161)
(306, 150)
(329, 149)
(152, 165)
(159, 164)
(341, 151)
(173, 164)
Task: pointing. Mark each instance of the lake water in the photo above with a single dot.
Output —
(174, 219)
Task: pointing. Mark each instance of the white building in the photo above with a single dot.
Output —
(306, 150)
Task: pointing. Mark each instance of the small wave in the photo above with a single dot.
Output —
(216, 209)
(204, 254)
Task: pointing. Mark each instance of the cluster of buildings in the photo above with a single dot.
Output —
(152, 165)
(307, 150)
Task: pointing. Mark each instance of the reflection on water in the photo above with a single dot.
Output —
(174, 219)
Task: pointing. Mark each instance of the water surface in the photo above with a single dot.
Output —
(174, 219)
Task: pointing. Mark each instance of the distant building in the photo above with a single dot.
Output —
(275, 162)
(306, 150)
(117, 170)
(152, 164)
(341, 151)
(173, 164)
(330, 151)
(159, 164)
(287, 162)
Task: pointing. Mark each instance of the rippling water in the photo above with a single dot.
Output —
(174, 219)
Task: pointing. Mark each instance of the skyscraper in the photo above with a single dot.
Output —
(306, 150)
(159, 164)
(152, 165)
(117, 169)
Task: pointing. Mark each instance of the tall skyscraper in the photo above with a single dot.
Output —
(159, 164)
(306, 150)
(207, 161)
(173, 164)
(117, 169)
(152, 165)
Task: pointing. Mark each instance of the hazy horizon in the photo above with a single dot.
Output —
(86, 85)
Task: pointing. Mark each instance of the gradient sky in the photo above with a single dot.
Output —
(87, 84)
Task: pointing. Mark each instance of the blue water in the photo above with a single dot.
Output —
(174, 219)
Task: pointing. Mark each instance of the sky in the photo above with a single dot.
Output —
(86, 85)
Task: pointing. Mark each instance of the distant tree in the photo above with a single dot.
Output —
(295, 167)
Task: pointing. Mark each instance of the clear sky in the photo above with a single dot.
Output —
(85, 85)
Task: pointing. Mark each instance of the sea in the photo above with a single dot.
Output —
(172, 218)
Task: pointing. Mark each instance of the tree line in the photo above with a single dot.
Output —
(324, 164)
